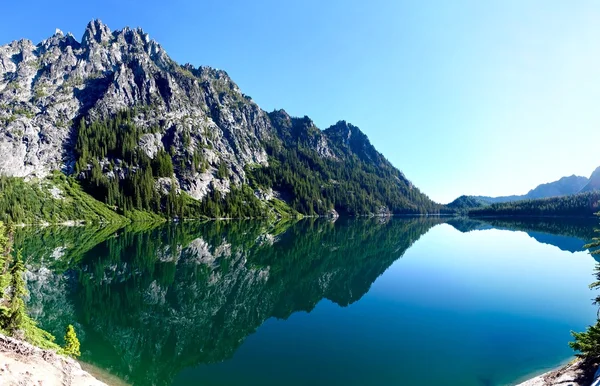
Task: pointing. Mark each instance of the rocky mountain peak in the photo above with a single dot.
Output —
(96, 32)
(209, 129)
(45, 89)
(280, 118)
(351, 138)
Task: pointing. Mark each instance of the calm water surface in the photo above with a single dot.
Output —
(355, 302)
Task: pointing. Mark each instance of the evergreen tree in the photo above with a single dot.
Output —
(587, 343)
(577, 205)
(17, 314)
(72, 345)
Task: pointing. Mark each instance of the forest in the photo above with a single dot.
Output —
(135, 192)
(14, 318)
(578, 205)
(358, 181)
(116, 171)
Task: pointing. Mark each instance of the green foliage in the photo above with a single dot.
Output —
(34, 202)
(467, 202)
(16, 314)
(192, 326)
(595, 245)
(222, 171)
(315, 185)
(583, 204)
(71, 347)
(102, 144)
(136, 196)
(40, 243)
(587, 343)
(40, 93)
(356, 180)
(22, 111)
(238, 203)
(199, 163)
(14, 320)
(162, 164)
(116, 139)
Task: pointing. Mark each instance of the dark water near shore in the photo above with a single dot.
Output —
(417, 301)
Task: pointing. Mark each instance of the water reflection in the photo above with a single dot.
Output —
(149, 302)
(567, 234)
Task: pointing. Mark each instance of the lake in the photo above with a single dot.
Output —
(401, 301)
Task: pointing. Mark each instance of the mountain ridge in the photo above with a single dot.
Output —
(132, 125)
(593, 182)
(565, 186)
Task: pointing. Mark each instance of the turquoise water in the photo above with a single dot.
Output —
(355, 302)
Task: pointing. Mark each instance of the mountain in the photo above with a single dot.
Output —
(467, 202)
(563, 187)
(593, 183)
(141, 132)
(567, 234)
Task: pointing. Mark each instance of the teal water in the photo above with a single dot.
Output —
(354, 302)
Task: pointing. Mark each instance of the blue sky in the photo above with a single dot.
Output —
(465, 97)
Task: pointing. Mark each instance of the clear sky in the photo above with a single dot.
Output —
(465, 96)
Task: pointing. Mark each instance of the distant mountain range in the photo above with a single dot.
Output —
(565, 186)
(593, 183)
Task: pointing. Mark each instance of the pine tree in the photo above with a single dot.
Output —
(587, 343)
(72, 345)
(17, 314)
(5, 247)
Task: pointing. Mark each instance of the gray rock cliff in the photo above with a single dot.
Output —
(45, 88)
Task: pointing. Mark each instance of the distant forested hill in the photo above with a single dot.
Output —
(467, 202)
(582, 204)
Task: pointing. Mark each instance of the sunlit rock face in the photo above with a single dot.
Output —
(45, 88)
(48, 90)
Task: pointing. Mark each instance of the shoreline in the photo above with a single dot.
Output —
(541, 372)
(576, 372)
(24, 364)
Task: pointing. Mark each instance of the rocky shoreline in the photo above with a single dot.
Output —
(577, 373)
(25, 365)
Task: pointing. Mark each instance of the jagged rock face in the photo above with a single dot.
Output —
(301, 131)
(44, 88)
(47, 89)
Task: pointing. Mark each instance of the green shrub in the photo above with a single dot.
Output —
(71, 347)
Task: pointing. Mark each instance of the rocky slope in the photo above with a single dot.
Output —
(577, 373)
(22, 364)
(593, 183)
(193, 113)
